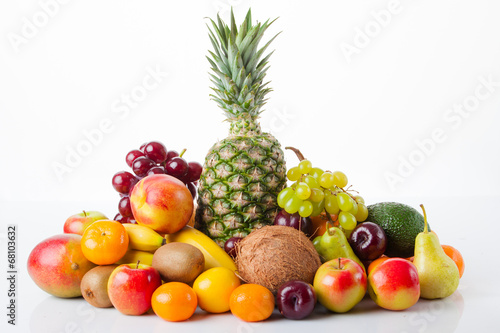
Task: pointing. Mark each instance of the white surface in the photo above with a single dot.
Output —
(367, 114)
(472, 307)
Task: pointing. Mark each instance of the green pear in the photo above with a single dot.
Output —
(438, 274)
(334, 244)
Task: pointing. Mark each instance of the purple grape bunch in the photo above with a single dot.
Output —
(152, 158)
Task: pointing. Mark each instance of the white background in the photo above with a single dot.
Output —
(359, 86)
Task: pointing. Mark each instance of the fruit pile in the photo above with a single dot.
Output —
(255, 244)
(124, 265)
(152, 158)
(134, 268)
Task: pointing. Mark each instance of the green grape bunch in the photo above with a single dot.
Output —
(315, 191)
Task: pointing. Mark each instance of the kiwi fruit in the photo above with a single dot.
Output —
(180, 262)
(94, 286)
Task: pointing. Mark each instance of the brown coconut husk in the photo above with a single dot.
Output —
(273, 255)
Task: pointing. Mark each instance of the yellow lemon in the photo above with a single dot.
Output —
(214, 287)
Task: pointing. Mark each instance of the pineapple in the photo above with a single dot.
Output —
(243, 173)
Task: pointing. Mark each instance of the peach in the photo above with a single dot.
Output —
(393, 284)
(57, 265)
(162, 203)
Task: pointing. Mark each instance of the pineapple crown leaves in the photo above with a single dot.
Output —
(237, 68)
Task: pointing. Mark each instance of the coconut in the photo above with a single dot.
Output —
(273, 255)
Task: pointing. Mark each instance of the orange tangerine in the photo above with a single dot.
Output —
(320, 224)
(174, 301)
(104, 242)
(376, 262)
(251, 302)
(456, 256)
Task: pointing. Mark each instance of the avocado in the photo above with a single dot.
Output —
(401, 224)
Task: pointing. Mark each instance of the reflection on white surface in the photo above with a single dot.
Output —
(69, 315)
(76, 315)
(472, 308)
(441, 315)
(435, 315)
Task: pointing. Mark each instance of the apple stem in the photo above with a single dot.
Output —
(297, 152)
(137, 265)
(426, 230)
(84, 213)
(340, 265)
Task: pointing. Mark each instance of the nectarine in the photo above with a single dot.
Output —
(162, 203)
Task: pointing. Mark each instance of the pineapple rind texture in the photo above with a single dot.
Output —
(244, 173)
(238, 188)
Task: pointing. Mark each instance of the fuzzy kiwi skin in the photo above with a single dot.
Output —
(180, 262)
(94, 286)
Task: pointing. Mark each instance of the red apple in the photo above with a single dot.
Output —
(131, 286)
(76, 224)
(340, 284)
(57, 265)
(162, 203)
(393, 284)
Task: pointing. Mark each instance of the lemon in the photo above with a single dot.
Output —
(214, 287)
